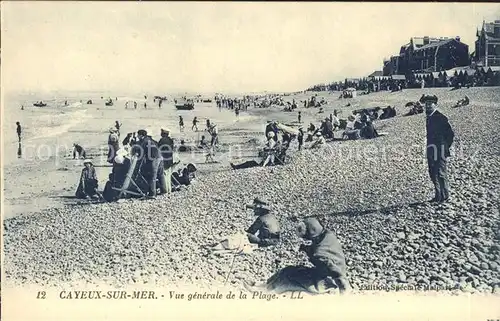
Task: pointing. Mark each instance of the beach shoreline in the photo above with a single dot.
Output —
(369, 201)
(240, 139)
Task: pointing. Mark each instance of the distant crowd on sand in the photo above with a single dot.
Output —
(477, 78)
(143, 167)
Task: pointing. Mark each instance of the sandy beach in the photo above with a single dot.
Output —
(48, 135)
(371, 192)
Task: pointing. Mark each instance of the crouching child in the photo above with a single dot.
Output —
(265, 231)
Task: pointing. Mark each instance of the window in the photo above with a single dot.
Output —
(494, 50)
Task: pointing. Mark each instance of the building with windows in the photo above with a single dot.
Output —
(487, 51)
(426, 54)
(391, 66)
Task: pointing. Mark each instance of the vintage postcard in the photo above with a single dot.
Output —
(227, 160)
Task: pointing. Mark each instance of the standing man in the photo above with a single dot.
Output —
(152, 162)
(166, 145)
(195, 124)
(19, 131)
(439, 140)
(300, 138)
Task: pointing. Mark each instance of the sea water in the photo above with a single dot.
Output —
(51, 130)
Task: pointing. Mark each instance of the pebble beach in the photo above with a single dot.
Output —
(372, 193)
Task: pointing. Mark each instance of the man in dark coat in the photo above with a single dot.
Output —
(166, 146)
(151, 160)
(439, 140)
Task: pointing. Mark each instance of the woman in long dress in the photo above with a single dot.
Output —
(88, 184)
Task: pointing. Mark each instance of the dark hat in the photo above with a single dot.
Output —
(430, 98)
(191, 168)
(259, 202)
(142, 132)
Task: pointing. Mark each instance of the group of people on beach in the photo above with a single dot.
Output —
(147, 162)
(325, 252)
(154, 158)
(328, 271)
(279, 137)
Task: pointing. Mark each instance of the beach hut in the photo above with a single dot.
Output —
(420, 75)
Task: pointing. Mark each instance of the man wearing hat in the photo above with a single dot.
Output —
(151, 160)
(440, 137)
(325, 253)
(166, 146)
(266, 224)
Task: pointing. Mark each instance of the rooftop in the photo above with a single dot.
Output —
(377, 73)
(435, 44)
(489, 29)
(419, 42)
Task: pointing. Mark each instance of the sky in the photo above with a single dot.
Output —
(214, 46)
